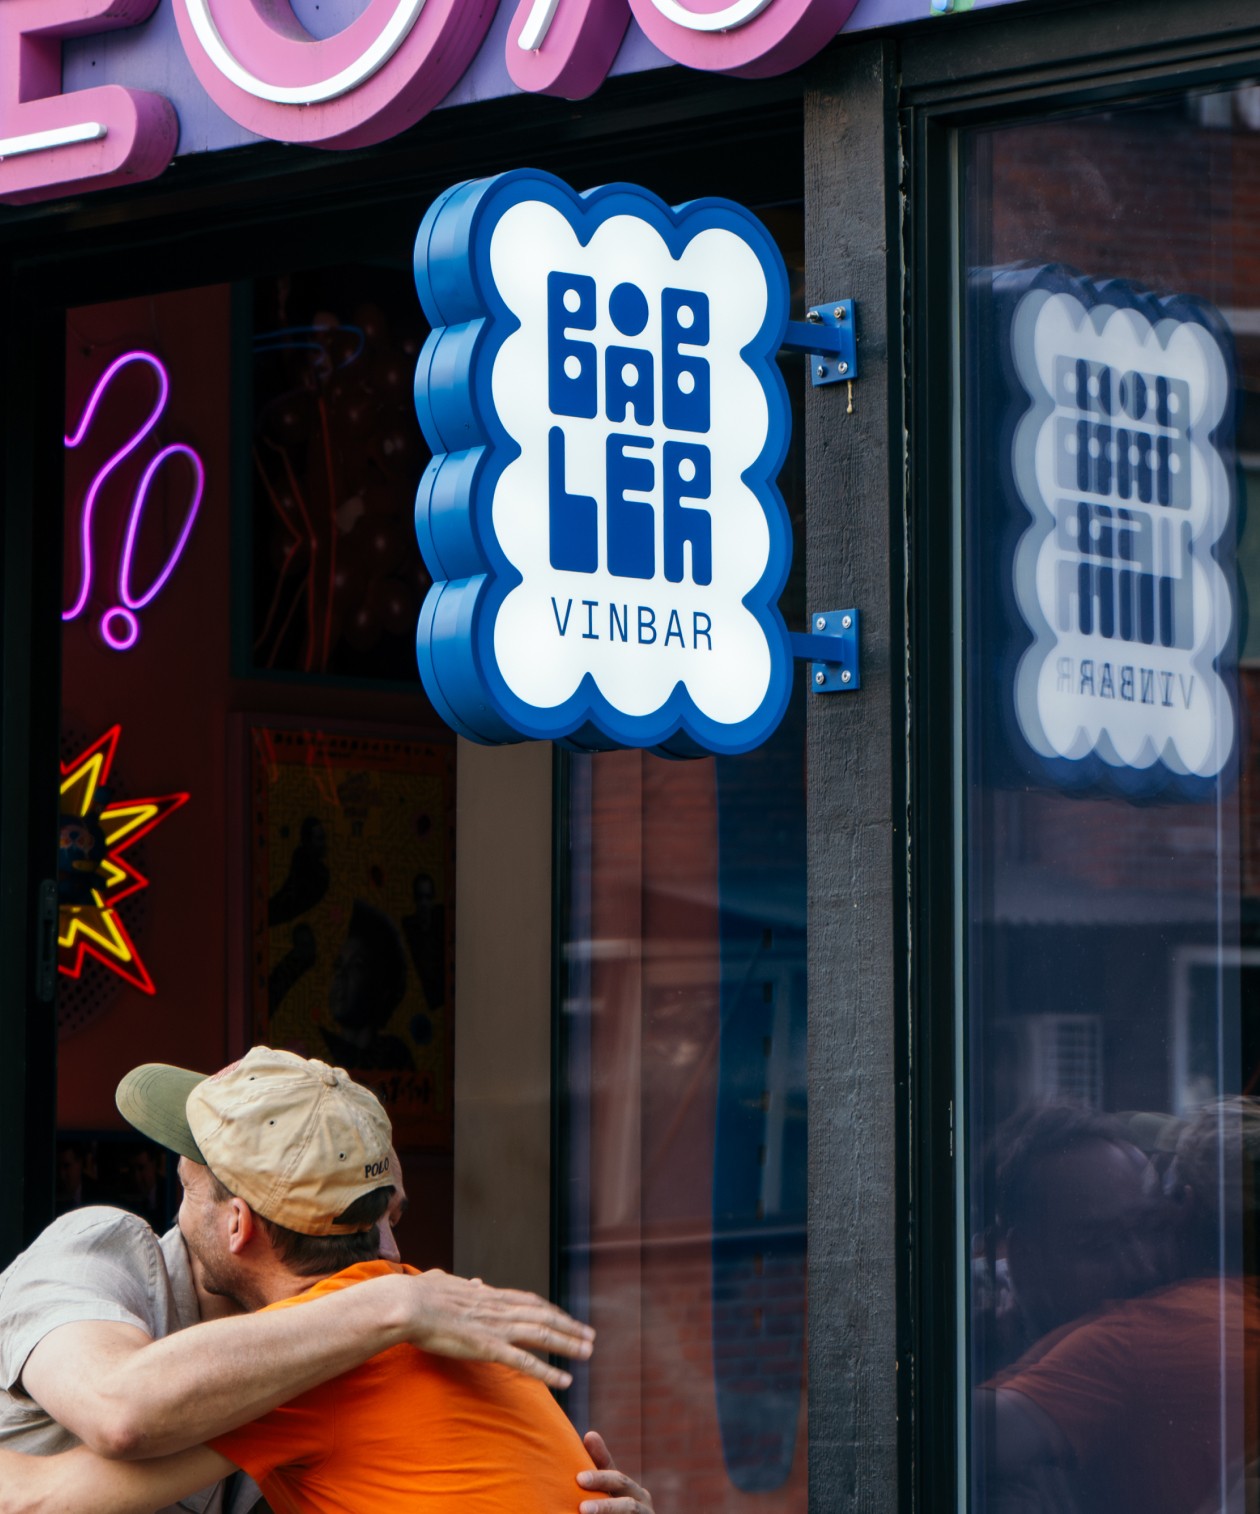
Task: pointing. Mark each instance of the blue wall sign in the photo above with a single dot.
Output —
(607, 421)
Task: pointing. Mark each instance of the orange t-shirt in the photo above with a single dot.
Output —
(1138, 1390)
(411, 1432)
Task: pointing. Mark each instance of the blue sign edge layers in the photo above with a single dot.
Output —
(471, 575)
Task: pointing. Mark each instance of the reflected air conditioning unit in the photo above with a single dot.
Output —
(1057, 1057)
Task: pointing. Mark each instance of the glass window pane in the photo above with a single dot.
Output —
(258, 803)
(336, 572)
(682, 1151)
(1112, 936)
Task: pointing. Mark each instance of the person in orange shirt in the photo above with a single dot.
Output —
(286, 1166)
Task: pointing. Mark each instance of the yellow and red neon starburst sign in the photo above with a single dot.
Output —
(95, 929)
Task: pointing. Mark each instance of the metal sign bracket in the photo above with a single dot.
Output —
(831, 646)
(828, 337)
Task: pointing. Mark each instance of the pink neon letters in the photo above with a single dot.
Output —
(375, 78)
(118, 625)
(565, 47)
(755, 38)
(52, 144)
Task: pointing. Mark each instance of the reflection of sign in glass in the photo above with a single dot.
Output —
(1119, 577)
(601, 518)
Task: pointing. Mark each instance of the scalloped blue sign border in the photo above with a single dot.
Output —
(471, 448)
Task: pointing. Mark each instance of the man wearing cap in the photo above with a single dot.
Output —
(87, 1352)
(285, 1165)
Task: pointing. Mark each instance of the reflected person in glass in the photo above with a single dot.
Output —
(1149, 1402)
(1075, 1225)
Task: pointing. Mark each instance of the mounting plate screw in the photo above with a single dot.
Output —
(821, 370)
(815, 316)
(821, 623)
(840, 313)
(820, 677)
(846, 676)
(847, 622)
(842, 367)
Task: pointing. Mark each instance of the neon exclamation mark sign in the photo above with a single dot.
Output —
(119, 626)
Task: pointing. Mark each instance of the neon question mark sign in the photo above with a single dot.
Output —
(118, 625)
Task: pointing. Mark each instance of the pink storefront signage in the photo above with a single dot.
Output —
(372, 80)
(52, 144)
(384, 70)
(566, 47)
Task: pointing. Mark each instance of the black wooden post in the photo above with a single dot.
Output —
(856, 759)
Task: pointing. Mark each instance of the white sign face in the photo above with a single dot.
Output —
(636, 627)
(601, 516)
(1117, 576)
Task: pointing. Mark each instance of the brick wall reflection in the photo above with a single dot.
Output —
(654, 1058)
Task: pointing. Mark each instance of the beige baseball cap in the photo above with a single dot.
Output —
(298, 1140)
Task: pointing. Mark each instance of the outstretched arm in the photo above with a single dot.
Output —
(127, 1396)
(625, 1496)
(79, 1480)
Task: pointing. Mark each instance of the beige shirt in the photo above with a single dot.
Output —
(95, 1264)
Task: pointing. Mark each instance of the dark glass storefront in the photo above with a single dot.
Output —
(267, 835)
(885, 1097)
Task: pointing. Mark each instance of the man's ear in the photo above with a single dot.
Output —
(242, 1226)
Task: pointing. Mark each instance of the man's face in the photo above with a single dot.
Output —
(1091, 1235)
(203, 1224)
